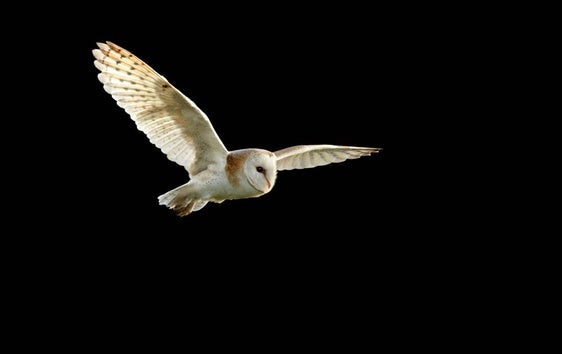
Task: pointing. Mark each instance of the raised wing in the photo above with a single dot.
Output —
(170, 120)
(307, 156)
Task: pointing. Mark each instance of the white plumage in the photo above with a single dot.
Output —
(183, 132)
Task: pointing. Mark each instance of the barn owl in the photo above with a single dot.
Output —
(183, 132)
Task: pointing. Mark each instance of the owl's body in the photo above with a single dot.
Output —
(183, 132)
(238, 178)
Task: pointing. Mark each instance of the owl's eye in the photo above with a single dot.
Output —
(260, 169)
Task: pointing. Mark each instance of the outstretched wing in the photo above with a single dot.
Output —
(307, 156)
(171, 121)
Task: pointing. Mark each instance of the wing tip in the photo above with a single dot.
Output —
(108, 46)
(102, 46)
(367, 150)
(98, 54)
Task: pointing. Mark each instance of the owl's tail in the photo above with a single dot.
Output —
(181, 200)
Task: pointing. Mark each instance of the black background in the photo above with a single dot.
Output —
(362, 237)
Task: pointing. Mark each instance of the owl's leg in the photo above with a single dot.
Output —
(184, 209)
(182, 200)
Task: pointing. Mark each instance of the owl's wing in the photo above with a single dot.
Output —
(307, 156)
(170, 120)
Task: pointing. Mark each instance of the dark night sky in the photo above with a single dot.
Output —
(264, 81)
(359, 246)
(334, 236)
(268, 83)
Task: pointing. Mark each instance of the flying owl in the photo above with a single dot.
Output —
(183, 132)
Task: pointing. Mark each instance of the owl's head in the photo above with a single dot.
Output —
(260, 169)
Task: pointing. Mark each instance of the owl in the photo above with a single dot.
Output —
(183, 132)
